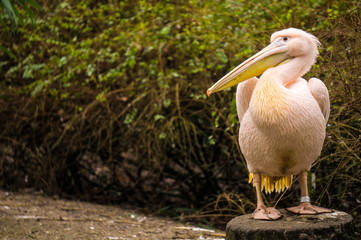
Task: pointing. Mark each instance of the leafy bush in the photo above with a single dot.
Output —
(106, 101)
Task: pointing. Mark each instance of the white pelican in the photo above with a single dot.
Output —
(282, 116)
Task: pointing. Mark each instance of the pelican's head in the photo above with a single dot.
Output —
(285, 45)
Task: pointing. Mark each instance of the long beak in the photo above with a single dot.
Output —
(271, 56)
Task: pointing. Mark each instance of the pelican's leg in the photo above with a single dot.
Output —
(262, 212)
(305, 207)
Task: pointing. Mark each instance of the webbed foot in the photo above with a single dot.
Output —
(307, 208)
(263, 213)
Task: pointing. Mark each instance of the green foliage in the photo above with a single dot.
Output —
(125, 82)
(14, 16)
(13, 13)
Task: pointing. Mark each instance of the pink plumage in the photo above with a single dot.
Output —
(282, 116)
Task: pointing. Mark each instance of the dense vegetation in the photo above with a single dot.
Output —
(105, 100)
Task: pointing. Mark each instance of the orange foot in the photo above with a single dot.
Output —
(263, 213)
(307, 208)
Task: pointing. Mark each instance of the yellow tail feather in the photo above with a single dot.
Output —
(270, 183)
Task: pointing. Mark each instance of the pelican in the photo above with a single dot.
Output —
(282, 116)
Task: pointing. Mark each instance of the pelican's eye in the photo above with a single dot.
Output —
(285, 39)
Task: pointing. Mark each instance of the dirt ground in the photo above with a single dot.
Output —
(34, 216)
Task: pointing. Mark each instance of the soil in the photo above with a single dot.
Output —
(35, 216)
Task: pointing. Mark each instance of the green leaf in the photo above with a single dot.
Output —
(166, 102)
(37, 88)
(9, 10)
(101, 97)
(7, 51)
(129, 118)
(29, 69)
(162, 135)
(90, 69)
(165, 30)
(158, 117)
(19, 17)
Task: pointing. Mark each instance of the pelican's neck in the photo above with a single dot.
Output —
(287, 72)
(270, 103)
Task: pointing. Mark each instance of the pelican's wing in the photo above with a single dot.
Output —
(243, 96)
(320, 93)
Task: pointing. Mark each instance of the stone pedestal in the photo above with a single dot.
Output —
(336, 225)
